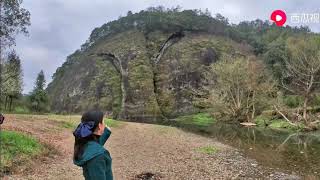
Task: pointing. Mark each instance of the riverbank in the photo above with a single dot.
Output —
(141, 150)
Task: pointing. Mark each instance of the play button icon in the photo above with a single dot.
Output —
(279, 17)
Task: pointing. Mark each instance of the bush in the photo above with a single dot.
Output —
(248, 76)
(21, 110)
(316, 100)
(293, 101)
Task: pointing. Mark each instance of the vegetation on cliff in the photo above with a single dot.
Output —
(163, 63)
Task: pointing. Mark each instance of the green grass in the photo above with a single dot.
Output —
(266, 120)
(207, 150)
(68, 125)
(262, 120)
(200, 119)
(66, 121)
(112, 122)
(21, 110)
(282, 124)
(16, 148)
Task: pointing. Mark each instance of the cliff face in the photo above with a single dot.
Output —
(140, 77)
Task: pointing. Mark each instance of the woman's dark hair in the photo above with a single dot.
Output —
(79, 143)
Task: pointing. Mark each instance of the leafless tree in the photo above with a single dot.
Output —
(302, 71)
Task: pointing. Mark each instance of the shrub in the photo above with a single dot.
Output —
(293, 101)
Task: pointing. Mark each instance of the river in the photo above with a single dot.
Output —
(297, 152)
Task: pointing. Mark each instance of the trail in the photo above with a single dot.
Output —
(166, 152)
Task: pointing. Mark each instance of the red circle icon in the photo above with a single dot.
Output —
(279, 17)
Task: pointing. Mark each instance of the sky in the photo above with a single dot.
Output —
(59, 27)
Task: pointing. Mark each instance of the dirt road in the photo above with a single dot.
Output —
(139, 151)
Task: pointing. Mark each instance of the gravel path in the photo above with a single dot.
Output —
(140, 151)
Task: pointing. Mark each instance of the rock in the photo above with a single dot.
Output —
(248, 124)
(254, 165)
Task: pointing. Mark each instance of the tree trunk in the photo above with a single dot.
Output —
(121, 66)
(5, 103)
(174, 38)
(253, 105)
(1, 69)
(305, 105)
(124, 90)
(283, 116)
(10, 105)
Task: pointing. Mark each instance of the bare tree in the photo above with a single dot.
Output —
(242, 88)
(302, 71)
(121, 66)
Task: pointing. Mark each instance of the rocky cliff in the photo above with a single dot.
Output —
(140, 77)
(144, 69)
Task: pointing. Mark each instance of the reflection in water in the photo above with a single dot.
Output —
(296, 152)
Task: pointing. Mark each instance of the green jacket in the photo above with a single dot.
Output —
(96, 160)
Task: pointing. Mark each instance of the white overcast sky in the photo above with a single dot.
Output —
(59, 27)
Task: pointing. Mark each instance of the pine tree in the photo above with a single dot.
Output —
(39, 97)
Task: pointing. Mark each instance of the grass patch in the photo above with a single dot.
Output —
(262, 120)
(21, 110)
(164, 129)
(200, 119)
(66, 121)
(16, 148)
(112, 122)
(67, 125)
(281, 124)
(207, 150)
(266, 120)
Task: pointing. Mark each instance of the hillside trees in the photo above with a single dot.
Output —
(162, 19)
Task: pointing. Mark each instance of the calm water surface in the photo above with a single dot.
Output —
(290, 151)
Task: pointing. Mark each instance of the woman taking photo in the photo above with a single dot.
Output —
(89, 153)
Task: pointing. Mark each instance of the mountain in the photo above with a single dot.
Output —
(155, 64)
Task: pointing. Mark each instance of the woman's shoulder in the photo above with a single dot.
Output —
(97, 158)
(91, 151)
(94, 147)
